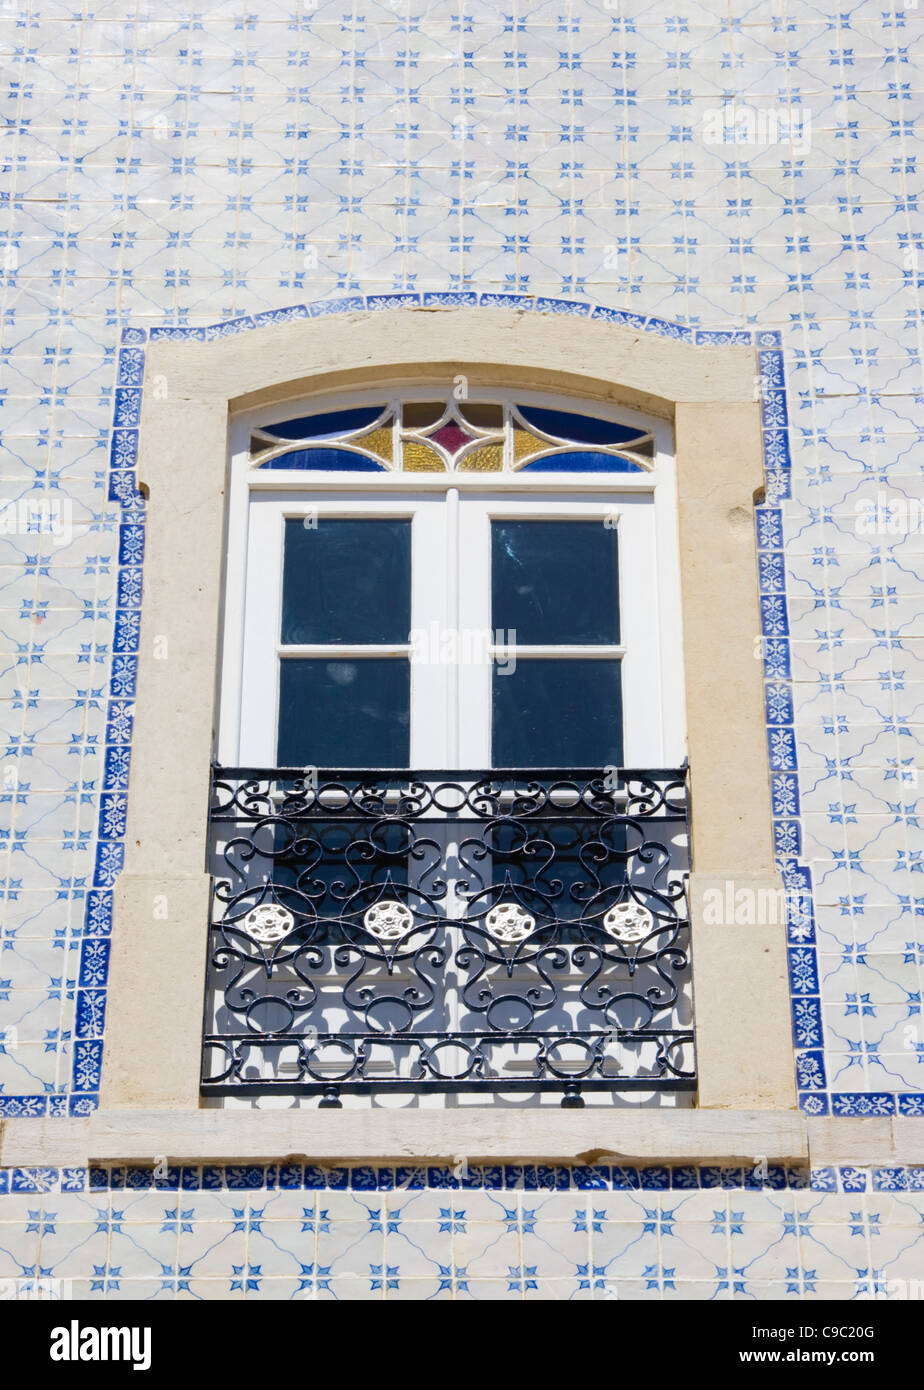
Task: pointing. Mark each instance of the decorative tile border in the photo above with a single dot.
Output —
(83, 1095)
(476, 1177)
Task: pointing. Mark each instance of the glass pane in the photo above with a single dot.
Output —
(379, 442)
(525, 444)
(583, 461)
(422, 415)
(557, 713)
(344, 713)
(451, 437)
(343, 460)
(326, 425)
(346, 581)
(583, 429)
(554, 582)
(420, 458)
(483, 417)
(488, 459)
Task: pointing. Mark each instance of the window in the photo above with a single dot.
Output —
(448, 626)
(196, 557)
(503, 593)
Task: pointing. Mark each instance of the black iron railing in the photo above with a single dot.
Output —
(419, 931)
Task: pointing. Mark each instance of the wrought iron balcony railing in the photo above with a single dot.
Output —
(501, 931)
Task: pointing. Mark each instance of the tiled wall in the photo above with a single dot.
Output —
(164, 172)
(288, 1232)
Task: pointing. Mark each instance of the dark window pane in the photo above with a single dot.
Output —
(484, 417)
(421, 415)
(558, 713)
(583, 429)
(329, 846)
(344, 713)
(567, 879)
(346, 581)
(555, 582)
(326, 425)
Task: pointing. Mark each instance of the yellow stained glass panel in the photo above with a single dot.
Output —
(525, 444)
(488, 459)
(380, 442)
(420, 458)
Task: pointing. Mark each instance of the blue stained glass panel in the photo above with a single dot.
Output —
(583, 429)
(326, 425)
(582, 461)
(341, 459)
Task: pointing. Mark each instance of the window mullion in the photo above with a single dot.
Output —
(567, 653)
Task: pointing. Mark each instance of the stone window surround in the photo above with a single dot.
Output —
(153, 1033)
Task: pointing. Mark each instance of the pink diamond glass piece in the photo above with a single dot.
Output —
(451, 438)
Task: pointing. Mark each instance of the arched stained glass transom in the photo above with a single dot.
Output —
(452, 435)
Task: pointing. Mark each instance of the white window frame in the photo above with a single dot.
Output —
(641, 505)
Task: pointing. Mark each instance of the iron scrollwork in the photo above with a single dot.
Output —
(502, 931)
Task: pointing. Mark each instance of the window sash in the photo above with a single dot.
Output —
(451, 702)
